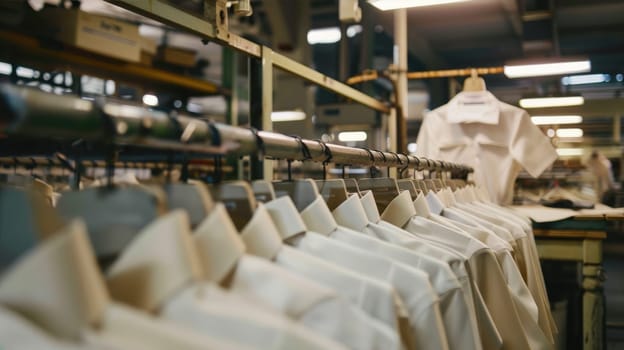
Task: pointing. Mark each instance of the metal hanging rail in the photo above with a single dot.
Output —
(32, 113)
(369, 75)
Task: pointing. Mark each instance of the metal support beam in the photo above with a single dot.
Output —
(261, 106)
(400, 61)
(162, 11)
(617, 129)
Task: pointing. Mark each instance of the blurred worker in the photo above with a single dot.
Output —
(600, 166)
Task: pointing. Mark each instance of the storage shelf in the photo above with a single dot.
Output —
(28, 50)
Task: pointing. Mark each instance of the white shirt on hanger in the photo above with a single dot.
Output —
(493, 256)
(456, 307)
(313, 305)
(262, 238)
(156, 260)
(75, 304)
(412, 284)
(496, 139)
(17, 333)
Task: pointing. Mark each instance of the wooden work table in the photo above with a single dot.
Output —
(559, 241)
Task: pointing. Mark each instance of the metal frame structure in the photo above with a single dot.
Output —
(212, 25)
(28, 112)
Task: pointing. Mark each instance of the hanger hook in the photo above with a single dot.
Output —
(259, 142)
(396, 155)
(328, 156)
(372, 159)
(406, 167)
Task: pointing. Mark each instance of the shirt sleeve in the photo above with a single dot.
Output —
(530, 147)
(427, 147)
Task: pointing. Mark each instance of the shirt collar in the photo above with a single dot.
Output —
(162, 256)
(260, 235)
(59, 280)
(318, 218)
(421, 206)
(351, 214)
(450, 197)
(473, 107)
(435, 205)
(286, 217)
(218, 243)
(399, 210)
(370, 207)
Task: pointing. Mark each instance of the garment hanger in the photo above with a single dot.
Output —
(159, 262)
(26, 217)
(474, 83)
(113, 214)
(263, 190)
(58, 286)
(239, 200)
(384, 189)
(192, 197)
(303, 192)
(352, 186)
(408, 185)
(334, 191)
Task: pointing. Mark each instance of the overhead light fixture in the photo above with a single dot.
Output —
(386, 5)
(150, 100)
(353, 30)
(287, 116)
(352, 136)
(546, 67)
(570, 132)
(328, 35)
(586, 79)
(542, 102)
(569, 152)
(5, 68)
(556, 119)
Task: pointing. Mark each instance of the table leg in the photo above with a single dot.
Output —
(593, 299)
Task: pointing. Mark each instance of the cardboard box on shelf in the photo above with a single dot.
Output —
(146, 58)
(149, 45)
(100, 34)
(177, 56)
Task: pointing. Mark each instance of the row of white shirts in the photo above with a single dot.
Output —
(448, 270)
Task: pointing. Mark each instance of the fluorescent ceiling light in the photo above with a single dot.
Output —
(324, 35)
(569, 152)
(150, 100)
(548, 68)
(386, 5)
(570, 132)
(354, 30)
(556, 119)
(24, 72)
(287, 116)
(5, 68)
(352, 136)
(540, 102)
(586, 79)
